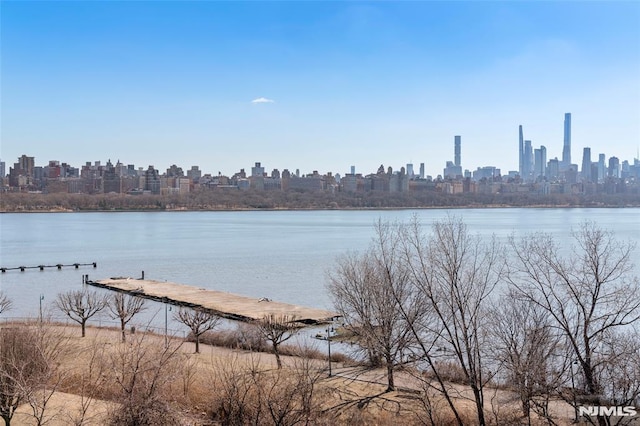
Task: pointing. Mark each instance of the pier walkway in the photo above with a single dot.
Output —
(226, 305)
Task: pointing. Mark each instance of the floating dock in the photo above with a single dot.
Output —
(226, 305)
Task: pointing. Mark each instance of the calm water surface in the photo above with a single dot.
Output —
(282, 255)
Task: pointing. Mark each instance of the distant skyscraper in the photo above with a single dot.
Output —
(601, 168)
(520, 152)
(257, 170)
(540, 163)
(421, 170)
(353, 170)
(553, 169)
(409, 169)
(614, 167)
(457, 142)
(527, 161)
(452, 171)
(2, 169)
(586, 165)
(566, 149)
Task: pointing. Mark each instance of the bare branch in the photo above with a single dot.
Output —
(277, 329)
(198, 321)
(81, 305)
(124, 308)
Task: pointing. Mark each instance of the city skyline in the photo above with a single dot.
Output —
(318, 86)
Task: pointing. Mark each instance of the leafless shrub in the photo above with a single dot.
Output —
(245, 337)
(88, 380)
(236, 399)
(247, 394)
(52, 343)
(23, 367)
(5, 303)
(448, 371)
(143, 372)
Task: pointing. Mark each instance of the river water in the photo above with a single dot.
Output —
(282, 255)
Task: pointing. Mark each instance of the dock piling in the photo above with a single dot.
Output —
(59, 266)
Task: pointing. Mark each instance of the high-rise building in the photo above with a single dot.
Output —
(421, 170)
(527, 162)
(452, 171)
(520, 151)
(614, 167)
(457, 142)
(410, 170)
(586, 165)
(553, 169)
(257, 170)
(566, 149)
(2, 169)
(540, 163)
(601, 168)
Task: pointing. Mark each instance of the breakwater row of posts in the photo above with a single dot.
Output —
(43, 267)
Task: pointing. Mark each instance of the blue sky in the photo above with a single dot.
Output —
(352, 83)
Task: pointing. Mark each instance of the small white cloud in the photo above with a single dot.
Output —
(262, 101)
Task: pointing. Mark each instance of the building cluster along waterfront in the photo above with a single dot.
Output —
(535, 175)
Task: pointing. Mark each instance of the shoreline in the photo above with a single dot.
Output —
(273, 209)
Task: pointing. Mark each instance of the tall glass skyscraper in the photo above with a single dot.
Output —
(528, 162)
(566, 150)
(521, 152)
(586, 165)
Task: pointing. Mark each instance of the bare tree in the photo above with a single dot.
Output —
(277, 329)
(530, 351)
(81, 305)
(373, 294)
(619, 375)
(124, 308)
(5, 302)
(455, 274)
(199, 322)
(587, 294)
(23, 368)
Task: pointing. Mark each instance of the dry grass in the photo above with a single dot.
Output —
(198, 389)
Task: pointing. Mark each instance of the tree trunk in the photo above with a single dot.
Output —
(390, 382)
(83, 324)
(277, 354)
(197, 343)
(479, 405)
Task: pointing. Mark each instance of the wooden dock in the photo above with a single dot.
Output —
(226, 305)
